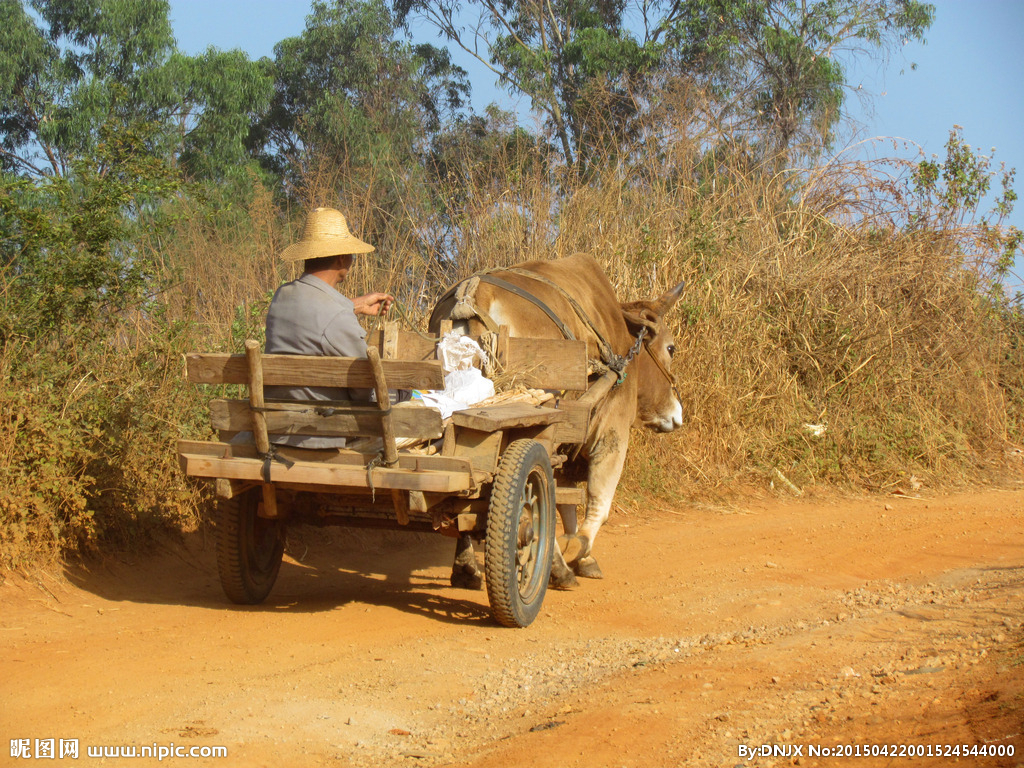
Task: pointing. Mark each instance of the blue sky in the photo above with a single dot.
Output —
(970, 73)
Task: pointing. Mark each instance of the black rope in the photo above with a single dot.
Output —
(269, 457)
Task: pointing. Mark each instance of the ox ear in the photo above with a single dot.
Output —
(639, 314)
(668, 300)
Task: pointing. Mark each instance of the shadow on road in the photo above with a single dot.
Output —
(323, 569)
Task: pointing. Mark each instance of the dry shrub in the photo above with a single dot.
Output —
(88, 434)
(820, 335)
(812, 304)
(219, 264)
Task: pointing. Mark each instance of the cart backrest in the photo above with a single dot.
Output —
(311, 371)
(321, 418)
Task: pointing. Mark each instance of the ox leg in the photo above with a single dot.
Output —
(562, 576)
(602, 480)
(465, 571)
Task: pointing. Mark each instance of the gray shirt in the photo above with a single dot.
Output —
(309, 317)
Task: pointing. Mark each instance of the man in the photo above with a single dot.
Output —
(309, 316)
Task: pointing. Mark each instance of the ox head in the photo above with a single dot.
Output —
(657, 404)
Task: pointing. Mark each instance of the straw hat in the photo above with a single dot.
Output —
(325, 234)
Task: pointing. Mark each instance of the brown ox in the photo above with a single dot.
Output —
(646, 395)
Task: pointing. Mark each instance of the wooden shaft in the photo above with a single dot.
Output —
(384, 403)
(502, 348)
(599, 389)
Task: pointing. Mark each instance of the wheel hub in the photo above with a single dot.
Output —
(525, 532)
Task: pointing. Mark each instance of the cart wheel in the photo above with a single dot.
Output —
(249, 549)
(520, 534)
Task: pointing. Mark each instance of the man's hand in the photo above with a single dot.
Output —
(373, 304)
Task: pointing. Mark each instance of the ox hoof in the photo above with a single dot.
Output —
(466, 577)
(562, 577)
(573, 547)
(587, 568)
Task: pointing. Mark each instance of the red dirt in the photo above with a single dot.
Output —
(873, 624)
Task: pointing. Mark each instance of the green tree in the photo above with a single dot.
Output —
(481, 168)
(69, 70)
(949, 197)
(779, 64)
(586, 66)
(579, 63)
(68, 262)
(349, 92)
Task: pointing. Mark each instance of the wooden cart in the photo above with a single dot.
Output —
(490, 472)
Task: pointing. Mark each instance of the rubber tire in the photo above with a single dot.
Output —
(249, 549)
(517, 576)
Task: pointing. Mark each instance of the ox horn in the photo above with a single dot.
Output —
(668, 300)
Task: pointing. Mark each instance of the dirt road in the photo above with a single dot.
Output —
(881, 624)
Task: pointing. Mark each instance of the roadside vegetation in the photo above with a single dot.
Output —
(844, 323)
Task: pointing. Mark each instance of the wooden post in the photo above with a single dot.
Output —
(501, 349)
(400, 499)
(384, 403)
(259, 422)
(389, 340)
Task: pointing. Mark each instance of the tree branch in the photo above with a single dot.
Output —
(23, 162)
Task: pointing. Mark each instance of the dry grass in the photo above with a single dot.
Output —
(809, 302)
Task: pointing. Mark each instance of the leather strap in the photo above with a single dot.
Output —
(511, 288)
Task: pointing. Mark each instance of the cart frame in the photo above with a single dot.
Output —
(494, 476)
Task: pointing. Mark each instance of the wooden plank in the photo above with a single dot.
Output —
(407, 345)
(507, 415)
(558, 364)
(570, 495)
(414, 462)
(574, 428)
(540, 363)
(483, 449)
(210, 448)
(311, 371)
(344, 420)
(333, 475)
(389, 342)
